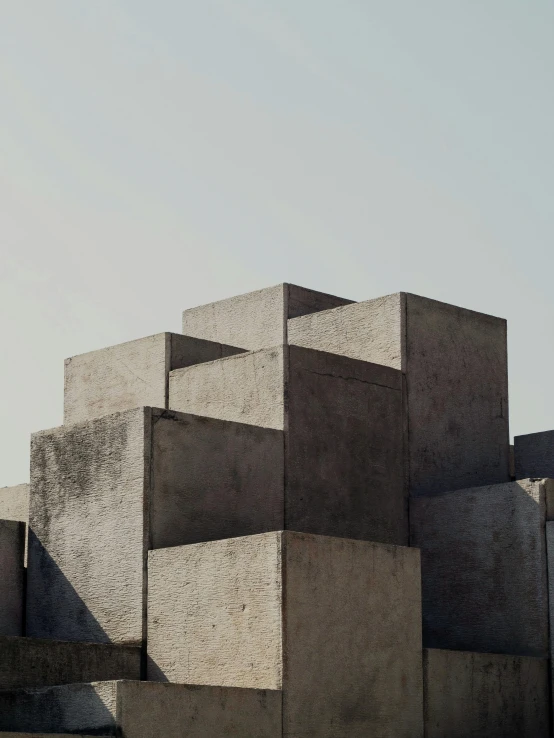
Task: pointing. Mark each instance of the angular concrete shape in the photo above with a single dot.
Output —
(485, 695)
(131, 374)
(12, 573)
(14, 503)
(257, 319)
(483, 566)
(335, 623)
(455, 362)
(30, 662)
(343, 422)
(143, 710)
(534, 455)
(550, 568)
(105, 491)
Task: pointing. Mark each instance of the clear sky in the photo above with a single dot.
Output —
(158, 155)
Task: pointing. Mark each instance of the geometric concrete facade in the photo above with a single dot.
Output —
(12, 593)
(14, 503)
(534, 455)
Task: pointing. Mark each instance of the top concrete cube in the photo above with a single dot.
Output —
(534, 455)
(258, 319)
(132, 374)
(455, 361)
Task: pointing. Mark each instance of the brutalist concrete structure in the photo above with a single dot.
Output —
(296, 520)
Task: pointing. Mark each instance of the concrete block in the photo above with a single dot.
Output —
(12, 572)
(335, 623)
(30, 662)
(455, 362)
(485, 695)
(105, 491)
(14, 503)
(550, 570)
(483, 565)
(144, 710)
(343, 422)
(130, 374)
(257, 319)
(534, 455)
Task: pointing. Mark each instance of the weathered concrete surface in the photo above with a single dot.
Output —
(455, 362)
(29, 662)
(344, 433)
(143, 710)
(257, 319)
(42, 735)
(550, 570)
(485, 695)
(130, 374)
(534, 455)
(335, 623)
(105, 491)
(12, 570)
(14, 503)
(483, 565)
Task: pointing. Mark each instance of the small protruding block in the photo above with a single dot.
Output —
(534, 455)
(12, 572)
(14, 503)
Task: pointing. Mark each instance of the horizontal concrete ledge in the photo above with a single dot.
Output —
(47, 735)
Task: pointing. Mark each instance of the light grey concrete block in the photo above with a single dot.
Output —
(257, 319)
(30, 662)
(130, 374)
(534, 455)
(455, 362)
(14, 503)
(483, 565)
(335, 623)
(12, 571)
(485, 695)
(144, 710)
(344, 433)
(105, 491)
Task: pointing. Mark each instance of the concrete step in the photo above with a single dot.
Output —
(143, 710)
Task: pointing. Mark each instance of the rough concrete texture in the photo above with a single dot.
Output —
(455, 362)
(550, 569)
(485, 695)
(29, 662)
(142, 710)
(483, 565)
(534, 455)
(105, 491)
(12, 573)
(130, 374)
(335, 623)
(42, 735)
(14, 503)
(257, 319)
(344, 433)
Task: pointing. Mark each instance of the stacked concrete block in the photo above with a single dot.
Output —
(534, 455)
(14, 503)
(455, 362)
(130, 374)
(334, 623)
(343, 423)
(12, 572)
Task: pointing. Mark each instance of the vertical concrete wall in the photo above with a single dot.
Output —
(534, 455)
(483, 563)
(14, 503)
(550, 572)
(12, 553)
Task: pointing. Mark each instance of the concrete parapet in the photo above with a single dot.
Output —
(483, 565)
(14, 503)
(335, 623)
(344, 433)
(130, 374)
(257, 319)
(455, 362)
(12, 577)
(534, 455)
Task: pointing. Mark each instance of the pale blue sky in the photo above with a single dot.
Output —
(158, 155)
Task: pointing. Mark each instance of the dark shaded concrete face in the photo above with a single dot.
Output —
(12, 572)
(534, 455)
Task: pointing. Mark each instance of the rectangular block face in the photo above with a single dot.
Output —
(29, 662)
(12, 553)
(550, 570)
(257, 319)
(534, 455)
(485, 695)
(455, 360)
(483, 564)
(130, 374)
(336, 623)
(14, 503)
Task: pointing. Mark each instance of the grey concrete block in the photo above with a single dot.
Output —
(144, 710)
(12, 571)
(344, 433)
(130, 374)
(485, 695)
(14, 503)
(550, 570)
(483, 564)
(105, 491)
(41, 735)
(257, 319)
(335, 623)
(534, 455)
(30, 662)
(455, 362)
